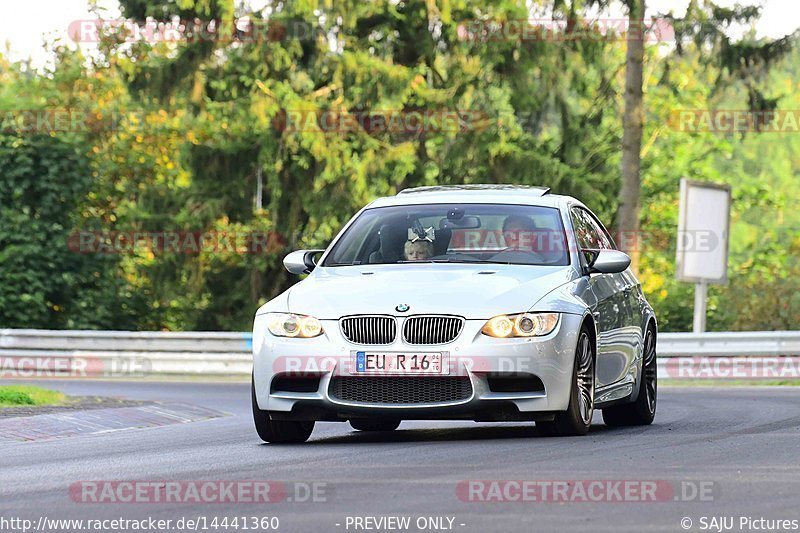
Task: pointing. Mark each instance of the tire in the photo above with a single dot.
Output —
(577, 419)
(374, 424)
(278, 431)
(643, 410)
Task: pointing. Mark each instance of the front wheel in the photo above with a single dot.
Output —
(643, 410)
(278, 431)
(578, 416)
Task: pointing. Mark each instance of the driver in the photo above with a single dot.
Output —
(519, 232)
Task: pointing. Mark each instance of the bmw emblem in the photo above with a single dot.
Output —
(402, 308)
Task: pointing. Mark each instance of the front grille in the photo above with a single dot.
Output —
(369, 329)
(401, 389)
(432, 329)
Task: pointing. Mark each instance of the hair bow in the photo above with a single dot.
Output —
(420, 234)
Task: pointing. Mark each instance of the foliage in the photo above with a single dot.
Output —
(42, 283)
(181, 133)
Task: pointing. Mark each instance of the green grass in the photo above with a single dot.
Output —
(26, 395)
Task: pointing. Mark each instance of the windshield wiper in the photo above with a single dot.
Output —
(454, 260)
(412, 261)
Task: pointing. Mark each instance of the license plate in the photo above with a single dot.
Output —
(400, 363)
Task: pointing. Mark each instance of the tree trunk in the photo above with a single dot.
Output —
(632, 122)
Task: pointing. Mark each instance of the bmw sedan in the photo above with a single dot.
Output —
(486, 303)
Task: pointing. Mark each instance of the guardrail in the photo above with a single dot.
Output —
(123, 353)
(33, 352)
(764, 355)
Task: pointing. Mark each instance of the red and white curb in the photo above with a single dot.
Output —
(93, 421)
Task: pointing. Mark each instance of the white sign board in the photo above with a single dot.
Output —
(703, 231)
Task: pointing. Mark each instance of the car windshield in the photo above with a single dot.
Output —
(453, 233)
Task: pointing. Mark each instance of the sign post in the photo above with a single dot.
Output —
(703, 234)
(700, 306)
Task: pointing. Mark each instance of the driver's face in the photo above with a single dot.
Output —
(518, 237)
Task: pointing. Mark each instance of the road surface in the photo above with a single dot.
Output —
(712, 452)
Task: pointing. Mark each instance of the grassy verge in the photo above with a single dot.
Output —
(26, 395)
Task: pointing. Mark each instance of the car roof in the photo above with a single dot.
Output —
(475, 194)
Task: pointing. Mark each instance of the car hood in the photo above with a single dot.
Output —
(471, 291)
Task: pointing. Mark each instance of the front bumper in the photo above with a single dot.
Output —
(472, 355)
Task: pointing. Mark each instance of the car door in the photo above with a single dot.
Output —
(609, 295)
(630, 304)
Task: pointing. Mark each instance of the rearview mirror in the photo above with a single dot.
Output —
(301, 261)
(463, 222)
(609, 262)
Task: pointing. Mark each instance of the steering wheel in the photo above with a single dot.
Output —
(515, 255)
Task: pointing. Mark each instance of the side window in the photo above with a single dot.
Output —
(608, 242)
(581, 229)
(589, 234)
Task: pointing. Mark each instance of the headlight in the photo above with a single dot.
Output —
(522, 325)
(291, 325)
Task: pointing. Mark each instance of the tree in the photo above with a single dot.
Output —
(528, 106)
(45, 281)
(189, 132)
(632, 123)
(746, 61)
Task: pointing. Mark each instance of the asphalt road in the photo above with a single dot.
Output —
(730, 452)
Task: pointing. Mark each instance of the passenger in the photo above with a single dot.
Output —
(418, 250)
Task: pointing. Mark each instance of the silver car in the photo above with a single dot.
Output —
(483, 302)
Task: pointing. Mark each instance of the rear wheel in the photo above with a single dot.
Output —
(643, 410)
(374, 424)
(578, 416)
(278, 431)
